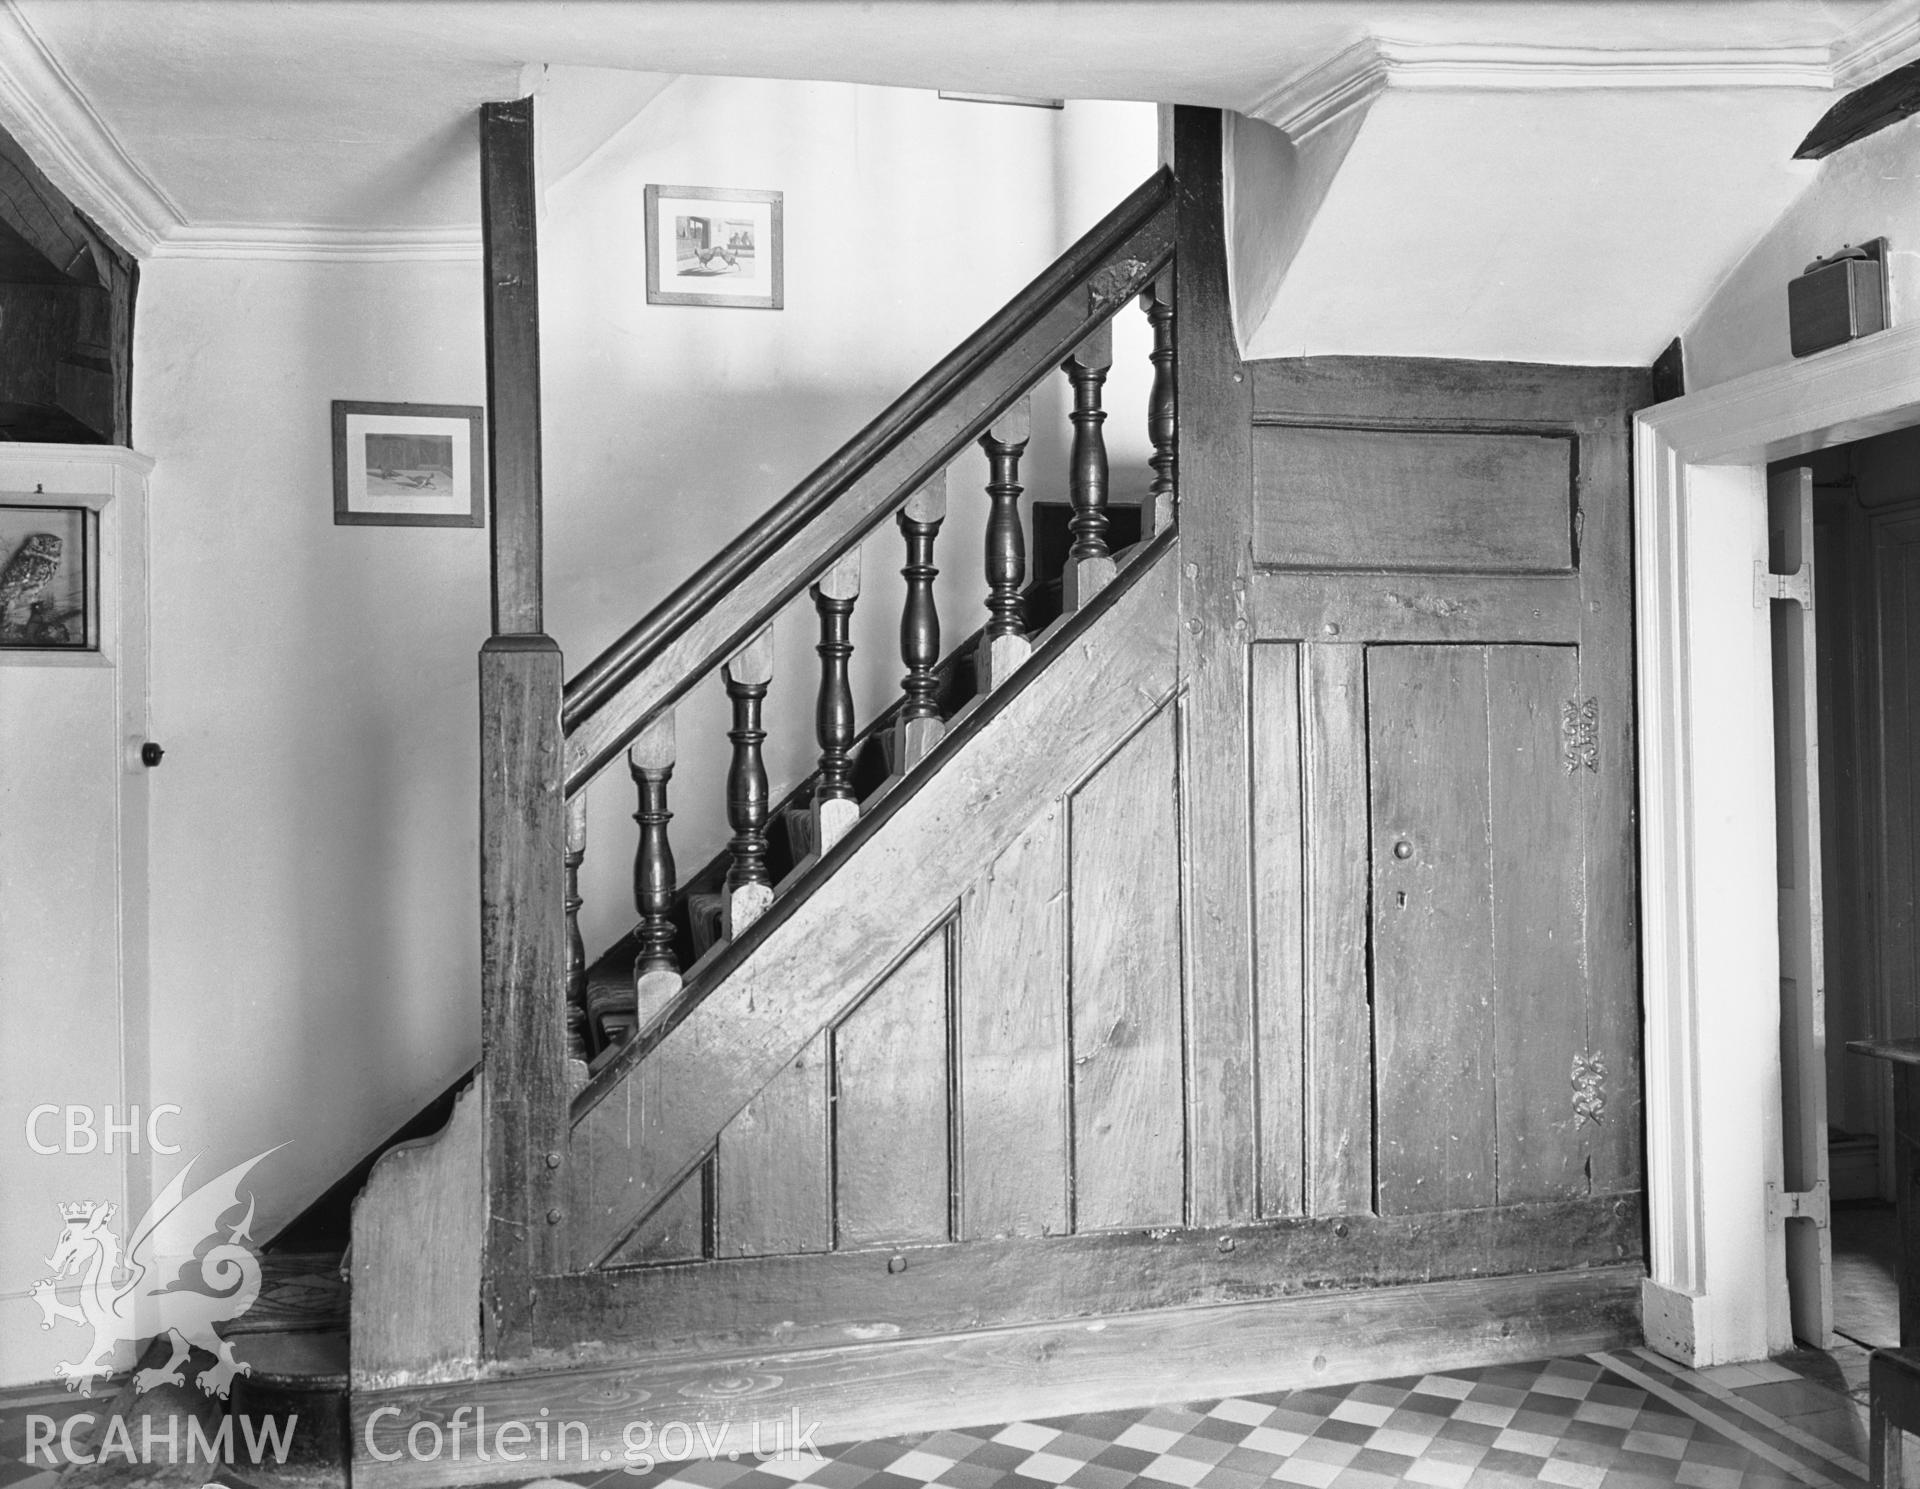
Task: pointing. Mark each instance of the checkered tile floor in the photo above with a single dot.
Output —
(1575, 1423)
(1623, 1420)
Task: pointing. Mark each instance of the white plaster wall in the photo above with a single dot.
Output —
(1572, 225)
(1867, 190)
(908, 220)
(314, 921)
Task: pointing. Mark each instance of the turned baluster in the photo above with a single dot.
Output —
(656, 971)
(749, 887)
(1157, 301)
(1089, 566)
(835, 807)
(577, 1038)
(920, 727)
(1004, 645)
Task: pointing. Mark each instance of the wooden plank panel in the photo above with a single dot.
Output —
(890, 1101)
(523, 972)
(1012, 1046)
(1129, 1135)
(1538, 847)
(1612, 848)
(792, 1301)
(1339, 1051)
(1279, 927)
(1401, 499)
(639, 1128)
(1432, 927)
(418, 1230)
(770, 1195)
(677, 1229)
(1215, 467)
(1288, 606)
(510, 245)
(861, 1391)
(1449, 393)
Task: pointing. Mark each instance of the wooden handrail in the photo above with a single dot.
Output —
(734, 595)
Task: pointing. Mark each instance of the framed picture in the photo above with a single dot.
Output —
(49, 578)
(407, 465)
(714, 245)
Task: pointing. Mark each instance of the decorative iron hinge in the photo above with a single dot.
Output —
(1797, 1204)
(1580, 734)
(1768, 586)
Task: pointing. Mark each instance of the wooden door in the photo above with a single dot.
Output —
(1442, 584)
(1803, 1017)
(1489, 1088)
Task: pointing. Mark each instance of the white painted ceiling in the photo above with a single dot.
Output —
(1497, 152)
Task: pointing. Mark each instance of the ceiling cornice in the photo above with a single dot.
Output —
(53, 121)
(314, 243)
(42, 108)
(1887, 39)
(1353, 78)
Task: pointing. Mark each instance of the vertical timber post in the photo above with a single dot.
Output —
(523, 830)
(1214, 405)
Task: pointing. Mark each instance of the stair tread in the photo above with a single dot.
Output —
(298, 1291)
(308, 1357)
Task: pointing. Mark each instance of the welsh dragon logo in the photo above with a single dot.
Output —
(151, 1290)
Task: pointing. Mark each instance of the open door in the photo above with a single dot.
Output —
(1802, 1203)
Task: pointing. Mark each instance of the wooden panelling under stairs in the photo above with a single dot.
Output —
(889, 928)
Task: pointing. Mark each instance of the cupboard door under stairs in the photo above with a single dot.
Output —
(1441, 708)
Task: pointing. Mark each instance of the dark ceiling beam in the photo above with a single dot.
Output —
(1864, 111)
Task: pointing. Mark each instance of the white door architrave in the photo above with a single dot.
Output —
(1717, 1290)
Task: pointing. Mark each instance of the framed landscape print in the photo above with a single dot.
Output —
(49, 578)
(714, 245)
(407, 465)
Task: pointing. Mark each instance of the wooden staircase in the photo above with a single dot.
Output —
(907, 1110)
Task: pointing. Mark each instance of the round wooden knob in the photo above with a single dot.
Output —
(1403, 849)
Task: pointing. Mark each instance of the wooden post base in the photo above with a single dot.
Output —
(913, 741)
(832, 820)
(1084, 579)
(743, 906)
(999, 658)
(652, 992)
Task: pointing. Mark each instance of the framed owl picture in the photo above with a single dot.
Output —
(49, 578)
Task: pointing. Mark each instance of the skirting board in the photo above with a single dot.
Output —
(956, 1380)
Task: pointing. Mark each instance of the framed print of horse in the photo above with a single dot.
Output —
(714, 245)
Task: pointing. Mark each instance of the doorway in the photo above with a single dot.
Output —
(1716, 1291)
(1865, 624)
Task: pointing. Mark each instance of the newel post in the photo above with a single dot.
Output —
(524, 946)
